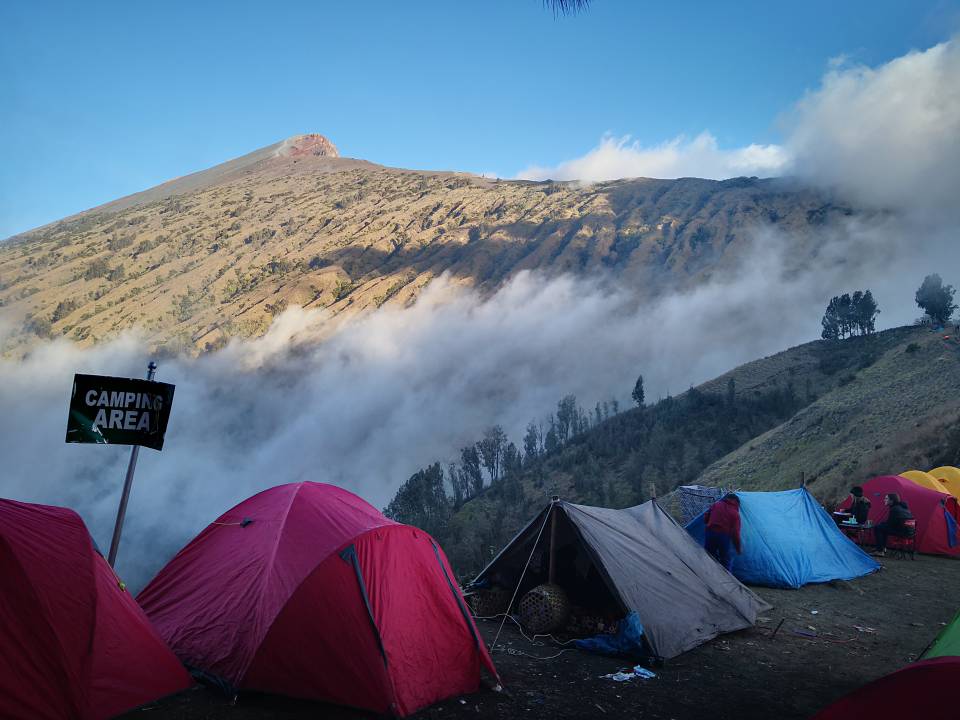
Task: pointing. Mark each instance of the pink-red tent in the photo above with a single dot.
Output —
(306, 590)
(73, 643)
(920, 690)
(937, 514)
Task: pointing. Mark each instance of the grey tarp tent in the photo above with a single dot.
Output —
(637, 559)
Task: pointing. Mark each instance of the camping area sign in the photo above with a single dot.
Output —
(119, 411)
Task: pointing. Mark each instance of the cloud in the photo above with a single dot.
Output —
(616, 158)
(364, 409)
(886, 136)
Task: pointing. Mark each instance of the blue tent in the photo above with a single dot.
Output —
(789, 540)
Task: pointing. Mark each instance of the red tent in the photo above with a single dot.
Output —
(916, 691)
(73, 643)
(306, 590)
(937, 514)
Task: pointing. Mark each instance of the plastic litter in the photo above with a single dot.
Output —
(638, 671)
(618, 676)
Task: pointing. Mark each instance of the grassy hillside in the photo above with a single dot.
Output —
(897, 413)
(836, 411)
(219, 253)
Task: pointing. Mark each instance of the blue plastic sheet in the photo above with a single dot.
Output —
(627, 641)
(789, 540)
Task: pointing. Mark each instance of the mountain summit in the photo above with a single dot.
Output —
(309, 144)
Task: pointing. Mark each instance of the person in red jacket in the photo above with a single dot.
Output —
(722, 530)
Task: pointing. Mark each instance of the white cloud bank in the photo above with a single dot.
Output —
(887, 136)
(616, 158)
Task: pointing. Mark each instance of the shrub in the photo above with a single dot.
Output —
(96, 269)
(39, 326)
(119, 242)
(64, 308)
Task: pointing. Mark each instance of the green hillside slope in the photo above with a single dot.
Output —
(897, 413)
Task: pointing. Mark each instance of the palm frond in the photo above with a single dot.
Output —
(566, 7)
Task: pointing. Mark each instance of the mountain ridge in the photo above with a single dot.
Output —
(219, 253)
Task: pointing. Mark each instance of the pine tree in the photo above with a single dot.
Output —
(567, 417)
(637, 393)
(531, 443)
(936, 299)
(470, 466)
(831, 320)
(491, 451)
(867, 311)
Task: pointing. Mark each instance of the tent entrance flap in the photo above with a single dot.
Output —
(575, 568)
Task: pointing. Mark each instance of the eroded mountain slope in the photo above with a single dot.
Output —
(219, 253)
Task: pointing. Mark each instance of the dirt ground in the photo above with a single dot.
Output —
(834, 638)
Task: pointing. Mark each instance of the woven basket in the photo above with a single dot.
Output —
(486, 603)
(544, 609)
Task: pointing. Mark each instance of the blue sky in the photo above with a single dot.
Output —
(98, 100)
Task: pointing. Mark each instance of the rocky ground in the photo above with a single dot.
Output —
(833, 638)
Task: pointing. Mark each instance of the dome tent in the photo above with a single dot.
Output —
(947, 643)
(75, 643)
(937, 513)
(789, 541)
(308, 591)
(919, 690)
(949, 477)
(924, 480)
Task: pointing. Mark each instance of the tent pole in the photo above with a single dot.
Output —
(520, 581)
(553, 538)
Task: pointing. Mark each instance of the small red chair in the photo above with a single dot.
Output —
(900, 546)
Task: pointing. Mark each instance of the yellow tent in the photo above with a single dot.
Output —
(926, 480)
(949, 477)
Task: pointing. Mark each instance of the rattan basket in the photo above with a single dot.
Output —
(544, 609)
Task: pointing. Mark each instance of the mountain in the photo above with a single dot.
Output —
(219, 253)
(833, 413)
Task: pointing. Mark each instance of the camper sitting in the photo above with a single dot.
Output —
(860, 508)
(895, 524)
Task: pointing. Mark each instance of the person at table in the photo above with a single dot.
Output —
(895, 524)
(722, 530)
(860, 508)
